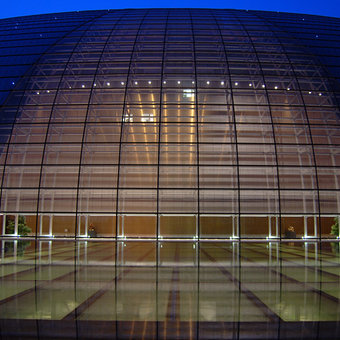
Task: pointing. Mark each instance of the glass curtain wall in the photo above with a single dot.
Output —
(170, 123)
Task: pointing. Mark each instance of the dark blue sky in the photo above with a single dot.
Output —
(11, 8)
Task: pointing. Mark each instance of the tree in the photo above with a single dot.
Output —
(23, 229)
(335, 227)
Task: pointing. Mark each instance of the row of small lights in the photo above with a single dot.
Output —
(179, 82)
(208, 83)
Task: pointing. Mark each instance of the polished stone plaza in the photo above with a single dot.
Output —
(167, 290)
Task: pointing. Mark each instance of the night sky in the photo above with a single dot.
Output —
(23, 7)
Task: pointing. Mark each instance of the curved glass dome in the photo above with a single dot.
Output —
(170, 123)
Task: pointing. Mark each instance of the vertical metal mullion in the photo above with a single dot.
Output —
(271, 118)
(238, 226)
(122, 118)
(197, 224)
(158, 176)
(159, 130)
(86, 117)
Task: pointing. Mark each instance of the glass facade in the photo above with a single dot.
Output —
(170, 123)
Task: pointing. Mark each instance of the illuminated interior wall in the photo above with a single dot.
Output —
(170, 123)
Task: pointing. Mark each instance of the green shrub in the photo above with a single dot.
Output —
(335, 227)
(23, 229)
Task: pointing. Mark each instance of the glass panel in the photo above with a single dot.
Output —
(138, 177)
(252, 114)
(178, 201)
(252, 154)
(137, 226)
(139, 154)
(287, 134)
(98, 177)
(178, 133)
(219, 201)
(247, 133)
(299, 202)
(135, 201)
(100, 154)
(177, 226)
(327, 156)
(140, 133)
(21, 177)
(45, 225)
(15, 200)
(25, 154)
(256, 177)
(57, 200)
(59, 176)
(259, 201)
(216, 226)
(102, 133)
(292, 227)
(97, 200)
(177, 177)
(68, 133)
(295, 155)
(254, 226)
(216, 133)
(101, 226)
(329, 178)
(184, 154)
(329, 202)
(64, 225)
(217, 154)
(218, 177)
(297, 178)
(28, 133)
(62, 154)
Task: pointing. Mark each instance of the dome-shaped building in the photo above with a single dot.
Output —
(170, 123)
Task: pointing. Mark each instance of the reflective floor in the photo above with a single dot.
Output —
(169, 290)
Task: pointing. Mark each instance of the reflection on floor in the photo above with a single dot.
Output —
(169, 290)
